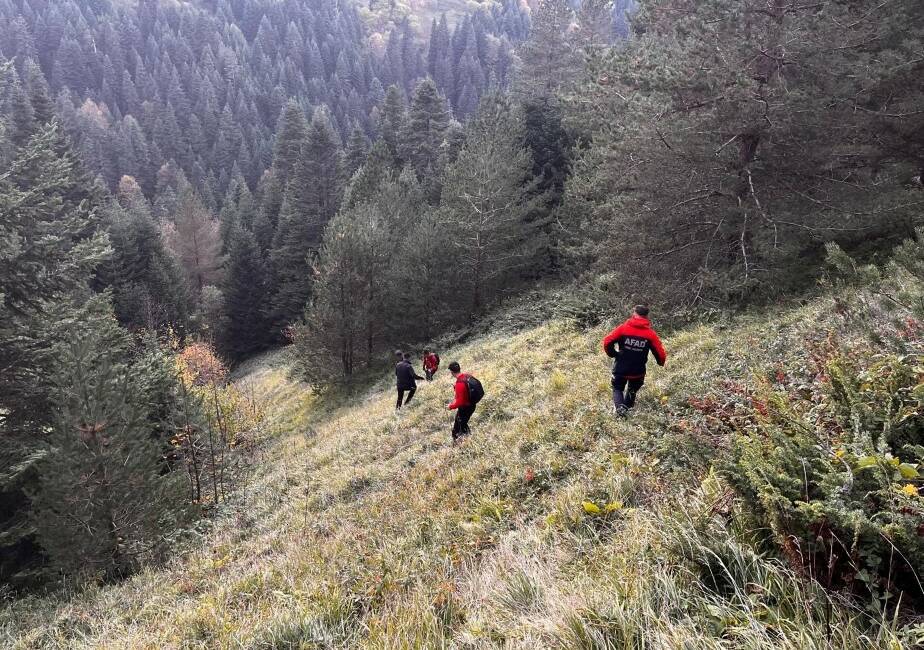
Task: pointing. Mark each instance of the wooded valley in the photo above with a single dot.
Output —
(187, 186)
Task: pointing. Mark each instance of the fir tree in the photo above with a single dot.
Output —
(745, 138)
(49, 248)
(290, 134)
(427, 124)
(312, 199)
(147, 283)
(393, 122)
(246, 329)
(356, 151)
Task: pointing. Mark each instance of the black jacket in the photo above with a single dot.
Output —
(407, 378)
(635, 339)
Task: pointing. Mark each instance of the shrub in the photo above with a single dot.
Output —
(830, 464)
(215, 420)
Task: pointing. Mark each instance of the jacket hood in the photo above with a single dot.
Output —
(640, 322)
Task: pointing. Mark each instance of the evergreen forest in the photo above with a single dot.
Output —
(220, 218)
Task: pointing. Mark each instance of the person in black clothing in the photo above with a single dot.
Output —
(406, 380)
(629, 345)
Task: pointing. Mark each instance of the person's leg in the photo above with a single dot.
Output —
(457, 425)
(619, 385)
(634, 386)
(410, 394)
(465, 414)
(400, 398)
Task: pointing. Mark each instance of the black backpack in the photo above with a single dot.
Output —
(475, 390)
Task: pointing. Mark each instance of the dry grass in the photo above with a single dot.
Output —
(365, 528)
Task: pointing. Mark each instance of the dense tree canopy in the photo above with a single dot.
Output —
(138, 85)
(730, 140)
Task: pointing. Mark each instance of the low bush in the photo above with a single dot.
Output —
(829, 461)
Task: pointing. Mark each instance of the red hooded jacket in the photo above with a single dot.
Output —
(431, 362)
(461, 392)
(635, 339)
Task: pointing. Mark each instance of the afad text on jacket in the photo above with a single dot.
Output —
(634, 338)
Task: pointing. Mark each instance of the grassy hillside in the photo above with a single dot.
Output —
(555, 525)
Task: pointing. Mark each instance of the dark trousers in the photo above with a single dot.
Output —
(429, 374)
(623, 397)
(460, 426)
(401, 391)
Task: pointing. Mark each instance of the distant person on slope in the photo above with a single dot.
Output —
(431, 363)
(469, 392)
(406, 379)
(634, 339)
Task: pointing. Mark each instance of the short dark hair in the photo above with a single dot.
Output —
(406, 355)
(426, 351)
(641, 310)
(399, 353)
(455, 367)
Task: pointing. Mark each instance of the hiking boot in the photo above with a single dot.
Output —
(621, 411)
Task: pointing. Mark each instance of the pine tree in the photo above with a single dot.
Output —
(595, 26)
(550, 145)
(434, 305)
(744, 138)
(21, 116)
(378, 167)
(39, 94)
(104, 505)
(488, 203)
(349, 275)
(549, 64)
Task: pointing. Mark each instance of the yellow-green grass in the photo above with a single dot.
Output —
(365, 528)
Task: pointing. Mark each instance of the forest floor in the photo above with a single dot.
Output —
(555, 525)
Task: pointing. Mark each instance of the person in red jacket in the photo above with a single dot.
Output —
(634, 339)
(462, 404)
(431, 363)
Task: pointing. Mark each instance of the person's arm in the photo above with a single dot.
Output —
(609, 342)
(460, 395)
(659, 354)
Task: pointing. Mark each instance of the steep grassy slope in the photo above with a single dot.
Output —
(555, 525)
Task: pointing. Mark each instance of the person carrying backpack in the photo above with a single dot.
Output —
(406, 380)
(469, 392)
(431, 363)
(635, 339)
